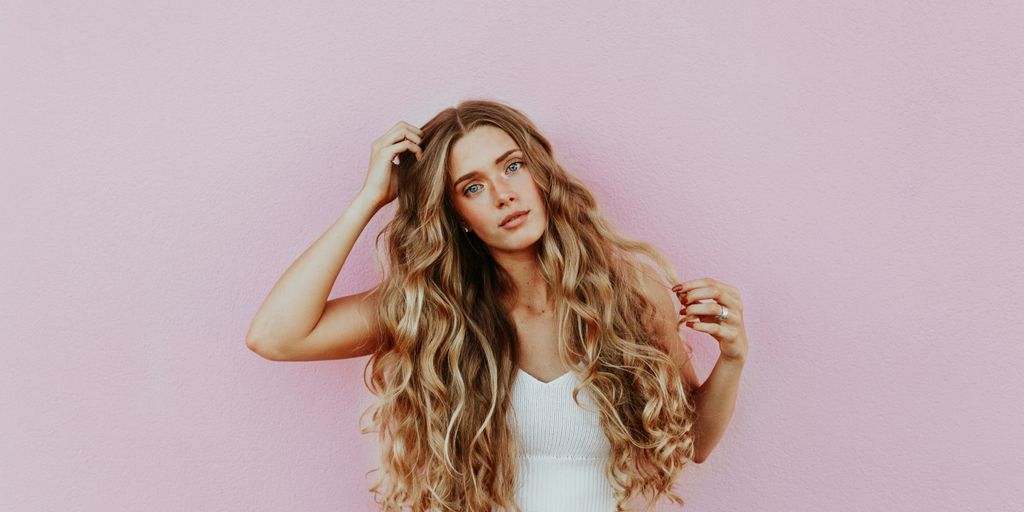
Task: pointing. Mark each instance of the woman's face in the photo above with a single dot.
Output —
(489, 184)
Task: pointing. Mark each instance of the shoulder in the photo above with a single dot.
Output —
(666, 326)
(658, 293)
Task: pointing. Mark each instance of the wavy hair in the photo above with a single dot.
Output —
(446, 361)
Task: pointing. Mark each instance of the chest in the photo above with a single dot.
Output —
(538, 346)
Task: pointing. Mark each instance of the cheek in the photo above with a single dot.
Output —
(472, 213)
(536, 193)
(530, 187)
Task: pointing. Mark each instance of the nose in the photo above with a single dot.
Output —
(505, 195)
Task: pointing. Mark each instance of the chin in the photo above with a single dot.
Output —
(528, 237)
(524, 238)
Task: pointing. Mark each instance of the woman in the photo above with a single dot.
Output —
(523, 357)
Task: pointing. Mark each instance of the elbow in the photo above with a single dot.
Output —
(699, 456)
(263, 350)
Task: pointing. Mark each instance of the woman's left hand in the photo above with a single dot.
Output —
(701, 316)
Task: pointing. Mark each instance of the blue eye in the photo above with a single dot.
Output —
(466, 191)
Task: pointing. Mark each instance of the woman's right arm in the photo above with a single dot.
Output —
(296, 322)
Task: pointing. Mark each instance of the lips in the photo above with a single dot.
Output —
(512, 216)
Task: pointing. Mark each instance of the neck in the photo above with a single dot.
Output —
(531, 294)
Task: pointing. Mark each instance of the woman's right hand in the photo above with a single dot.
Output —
(381, 183)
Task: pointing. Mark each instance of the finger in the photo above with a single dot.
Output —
(708, 309)
(393, 135)
(690, 292)
(404, 133)
(706, 282)
(714, 306)
(711, 319)
(400, 131)
(416, 129)
(413, 136)
(709, 293)
(405, 145)
(690, 285)
(734, 316)
(696, 294)
(720, 331)
(400, 146)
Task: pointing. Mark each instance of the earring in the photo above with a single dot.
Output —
(465, 228)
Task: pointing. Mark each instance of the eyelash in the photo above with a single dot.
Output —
(465, 191)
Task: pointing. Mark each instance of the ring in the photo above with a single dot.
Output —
(723, 315)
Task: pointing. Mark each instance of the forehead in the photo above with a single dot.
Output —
(477, 150)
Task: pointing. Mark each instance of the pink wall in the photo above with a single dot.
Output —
(856, 171)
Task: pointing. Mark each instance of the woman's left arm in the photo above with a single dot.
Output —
(722, 318)
(715, 401)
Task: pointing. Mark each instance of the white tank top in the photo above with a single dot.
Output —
(565, 450)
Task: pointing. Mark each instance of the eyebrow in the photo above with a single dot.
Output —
(473, 174)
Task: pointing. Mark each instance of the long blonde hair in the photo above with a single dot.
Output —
(447, 356)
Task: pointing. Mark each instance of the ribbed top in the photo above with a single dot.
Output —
(565, 450)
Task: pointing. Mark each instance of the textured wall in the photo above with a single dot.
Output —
(855, 170)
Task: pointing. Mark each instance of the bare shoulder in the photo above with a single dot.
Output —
(666, 326)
